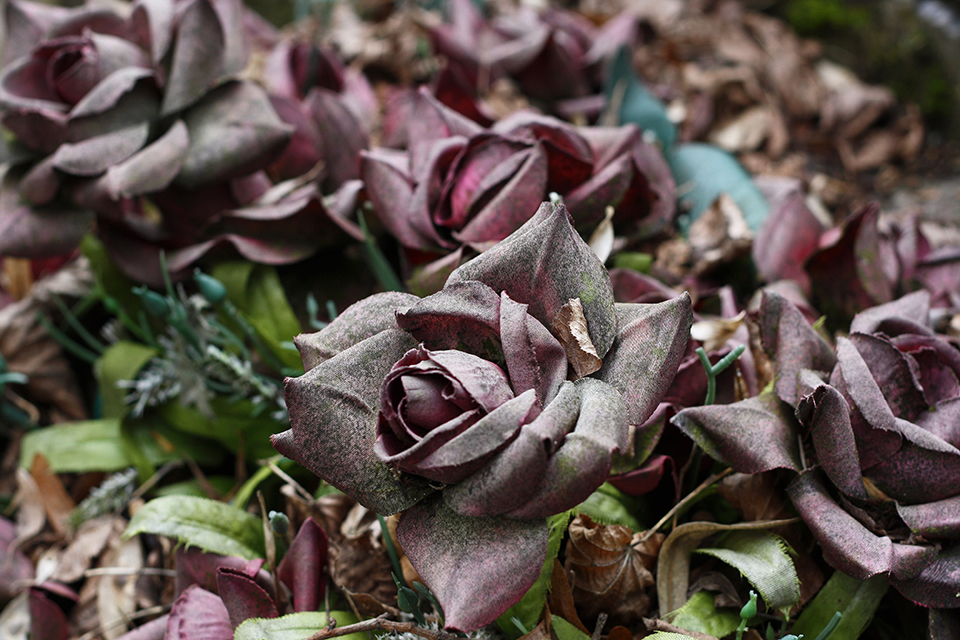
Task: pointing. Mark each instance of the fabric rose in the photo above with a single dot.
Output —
(141, 121)
(879, 423)
(484, 408)
(460, 184)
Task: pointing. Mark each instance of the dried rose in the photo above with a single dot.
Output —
(461, 184)
(140, 120)
(463, 409)
(882, 433)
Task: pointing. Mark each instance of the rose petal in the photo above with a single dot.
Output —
(752, 436)
(827, 416)
(243, 597)
(938, 585)
(463, 316)
(544, 264)
(233, 131)
(789, 339)
(511, 478)
(938, 519)
(199, 615)
(333, 412)
(584, 458)
(152, 21)
(460, 557)
(847, 544)
(789, 235)
(893, 374)
(354, 324)
(464, 454)
(642, 363)
(342, 135)
(40, 232)
(95, 155)
(304, 567)
(199, 56)
(534, 358)
(152, 168)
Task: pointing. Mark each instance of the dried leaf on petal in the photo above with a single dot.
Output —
(609, 574)
(570, 327)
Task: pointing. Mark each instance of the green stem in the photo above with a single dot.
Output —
(66, 342)
(378, 262)
(391, 550)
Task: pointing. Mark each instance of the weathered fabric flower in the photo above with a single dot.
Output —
(460, 184)
(484, 408)
(880, 489)
(140, 120)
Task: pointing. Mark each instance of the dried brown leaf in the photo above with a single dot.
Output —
(57, 503)
(31, 514)
(561, 597)
(117, 594)
(570, 328)
(609, 575)
(719, 235)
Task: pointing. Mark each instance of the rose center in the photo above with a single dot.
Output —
(430, 400)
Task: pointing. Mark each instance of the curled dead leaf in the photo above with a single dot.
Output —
(570, 328)
(610, 574)
(721, 234)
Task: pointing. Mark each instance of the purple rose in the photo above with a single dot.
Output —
(484, 408)
(878, 418)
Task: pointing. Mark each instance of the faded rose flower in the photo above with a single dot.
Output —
(484, 408)
(461, 184)
(139, 119)
(880, 431)
(552, 54)
(330, 107)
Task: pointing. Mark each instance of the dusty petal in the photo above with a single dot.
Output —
(534, 358)
(152, 168)
(39, 232)
(925, 468)
(544, 264)
(752, 436)
(194, 566)
(939, 519)
(938, 585)
(847, 544)
(199, 615)
(789, 339)
(789, 235)
(642, 363)
(943, 421)
(198, 56)
(233, 131)
(356, 323)
(95, 155)
(513, 476)
(465, 453)
(461, 557)
(333, 412)
(304, 567)
(341, 132)
(463, 316)
(508, 204)
(827, 416)
(893, 374)
(152, 22)
(243, 597)
(584, 458)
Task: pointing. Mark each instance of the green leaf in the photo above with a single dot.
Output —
(640, 262)
(213, 526)
(90, 445)
(763, 558)
(673, 561)
(111, 280)
(856, 599)
(609, 505)
(565, 630)
(528, 610)
(666, 635)
(703, 172)
(700, 614)
(121, 361)
(232, 425)
(294, 626)
(243, 495)
(632, 103)
(256, 290)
